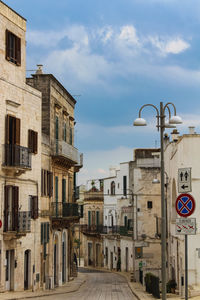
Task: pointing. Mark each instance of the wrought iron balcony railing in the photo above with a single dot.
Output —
(64, 210)
(20, 223)
(92, 229)
(16, 156)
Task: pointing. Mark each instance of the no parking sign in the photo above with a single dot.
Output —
(185, 205)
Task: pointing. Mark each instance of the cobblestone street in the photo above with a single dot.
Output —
(99, 286)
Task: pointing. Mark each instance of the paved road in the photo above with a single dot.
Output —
(99, 286)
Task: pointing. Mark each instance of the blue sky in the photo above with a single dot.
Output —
(117, 55)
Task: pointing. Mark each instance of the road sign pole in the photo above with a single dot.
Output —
(186, 267)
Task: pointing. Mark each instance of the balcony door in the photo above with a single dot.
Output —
(11, 204)
(56, 195)
(12, 140)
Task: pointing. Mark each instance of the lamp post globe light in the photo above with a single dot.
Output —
(161, 125)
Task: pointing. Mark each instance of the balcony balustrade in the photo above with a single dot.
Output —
(64, 210)
(67, 151)
(110, 230)
(18, 225)
(16, 157)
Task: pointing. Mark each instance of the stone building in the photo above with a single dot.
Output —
(91, 227)
(183, 152)
(132, 215)
(20, 160)
(60, 163)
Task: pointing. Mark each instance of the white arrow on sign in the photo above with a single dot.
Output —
(184, 180)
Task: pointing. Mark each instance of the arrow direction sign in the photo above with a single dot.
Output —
(185, 226)
(184, 180)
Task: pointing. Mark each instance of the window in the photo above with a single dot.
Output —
(149, 204)
(64, 131)
(56, 128)
(124, 185)
(46, 183)
(63, 190)
(33, 141)
(89, 218)
(97, 218)
(12, 132)
(56, 188)
(71, 135)
(11, 207)
(13, 48)
(112, 188)
(34, 207)
(44, 232)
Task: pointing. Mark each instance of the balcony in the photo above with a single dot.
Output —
(65, 153)
(15, 228)
(62, 214)
(16, 159)
(79, 165)
(92, 229)
(120, 230)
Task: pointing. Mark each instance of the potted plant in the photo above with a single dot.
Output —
(171, 286)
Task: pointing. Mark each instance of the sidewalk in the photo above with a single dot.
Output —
(69, 287)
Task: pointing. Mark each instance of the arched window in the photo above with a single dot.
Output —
(112, 188)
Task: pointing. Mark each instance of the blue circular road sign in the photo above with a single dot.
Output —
(185, 205)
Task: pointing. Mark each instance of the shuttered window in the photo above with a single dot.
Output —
(63, 190)
(56, 188)
(97, 218)
(44, 232)
(13, 48)
(11, 207)
(33, 141)
(46, 183)
(34, 207)
(89, 218)
(12, 130)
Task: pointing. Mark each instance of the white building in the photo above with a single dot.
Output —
(132, 215)
(183, 152)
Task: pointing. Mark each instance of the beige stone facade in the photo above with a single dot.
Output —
(91, 228)
(20, 166)
(60, 162)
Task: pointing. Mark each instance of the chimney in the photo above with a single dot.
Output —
(191, 129)
(175, 134)
(39, 70)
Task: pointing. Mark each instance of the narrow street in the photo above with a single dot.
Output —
(99, 286)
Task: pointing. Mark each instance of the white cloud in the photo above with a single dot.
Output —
(167, 46)
(96, 56)
(128, 35)
(99, 162)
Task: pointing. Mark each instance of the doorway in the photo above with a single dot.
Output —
(10, 264)
(64, 258)
(27, 269)
(55, 260)
(126, 258)
(111, 260)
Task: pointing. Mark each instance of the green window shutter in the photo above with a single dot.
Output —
(63, 190)
(89, 218)
(42, 233)
(71, 136)
(47, 232)
(97, 218)
(56, 128)
(56, 188)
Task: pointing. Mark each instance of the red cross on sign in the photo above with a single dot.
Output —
(185, 205)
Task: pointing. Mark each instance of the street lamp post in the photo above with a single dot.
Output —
(161, 125)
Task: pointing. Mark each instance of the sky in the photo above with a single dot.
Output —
(113, 57)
